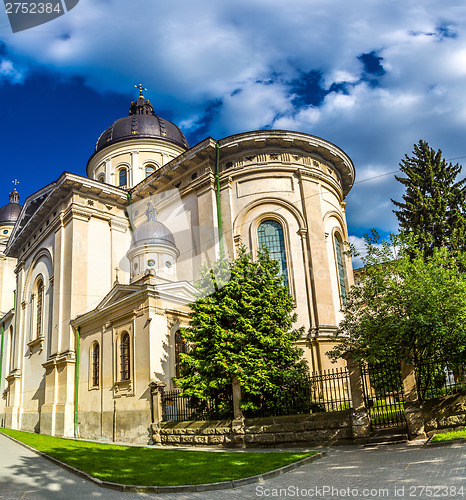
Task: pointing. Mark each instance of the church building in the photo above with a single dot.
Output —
(97, 272)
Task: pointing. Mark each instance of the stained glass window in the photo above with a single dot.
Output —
(270, 234)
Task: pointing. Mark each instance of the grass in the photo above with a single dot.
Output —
(383, 413)
(449, 436)
(154, 467)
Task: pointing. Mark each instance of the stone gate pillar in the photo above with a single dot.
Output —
(413, 413)
(361, 422)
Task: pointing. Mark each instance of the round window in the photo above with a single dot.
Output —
(168, 264)
(151, 263)
(5, 231)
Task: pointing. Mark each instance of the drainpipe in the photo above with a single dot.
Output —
(76, 382)
(1, 352)
(217, 196)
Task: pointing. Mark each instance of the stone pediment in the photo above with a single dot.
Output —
(181, 289)
(116, 294)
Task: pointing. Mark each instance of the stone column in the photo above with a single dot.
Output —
(237, 425)
(413, 413)
(156, 393)
(361, 422)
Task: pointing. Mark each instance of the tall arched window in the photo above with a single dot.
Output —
(95, 364)
(180, 347)
(124, 357)
(39, 306)
(270, 235)
(150, 169)
(12, 351)
(340, 268)
(123, 177)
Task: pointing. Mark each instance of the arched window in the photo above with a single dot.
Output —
(95, 364)
(123, 177)
(270, 235)
(39, 306)
(180, 348)
(150, 169)
(124, 357)
(340, 268)
(12, 351)
(101, 177)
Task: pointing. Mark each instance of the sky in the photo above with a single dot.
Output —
(373, 77)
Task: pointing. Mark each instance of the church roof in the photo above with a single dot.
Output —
(10, 213)
(142, 122)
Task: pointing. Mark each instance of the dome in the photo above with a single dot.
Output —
(152, 231)
(10, 213)
(142, 122)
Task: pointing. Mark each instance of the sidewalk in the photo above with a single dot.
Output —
(396, 471)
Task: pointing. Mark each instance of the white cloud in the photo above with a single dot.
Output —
(9, 72)
(246, 54)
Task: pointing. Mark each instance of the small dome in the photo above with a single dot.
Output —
(10, 213)
(152, 231)
(142, 122)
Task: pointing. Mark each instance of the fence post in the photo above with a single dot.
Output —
(361, 422)
(413, 412)
(156, 393)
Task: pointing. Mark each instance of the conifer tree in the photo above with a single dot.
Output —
(433, 210)
(243, 329)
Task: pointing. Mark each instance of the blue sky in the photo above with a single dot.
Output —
(371, 77)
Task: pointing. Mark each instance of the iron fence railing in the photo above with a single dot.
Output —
(178, 408)
(383, 394)
(324, 392)
(437, 378)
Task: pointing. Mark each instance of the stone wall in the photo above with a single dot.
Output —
(315, 429)
(448, 412)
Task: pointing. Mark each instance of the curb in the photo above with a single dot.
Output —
(188, 488)
(439, 444)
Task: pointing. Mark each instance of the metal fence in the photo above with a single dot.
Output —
(177, 408)
(437, 378)
(383, 394)
(324, 392)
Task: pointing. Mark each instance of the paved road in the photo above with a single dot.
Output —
(397, 471)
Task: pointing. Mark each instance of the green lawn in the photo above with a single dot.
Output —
(449, 436)
(154, 467)
(382, 413)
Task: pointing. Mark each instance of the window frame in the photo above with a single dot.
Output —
(122, 170)
(339, 258)
(95, 367)
(282, 244)
(125, 359)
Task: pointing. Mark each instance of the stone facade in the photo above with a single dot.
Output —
(82, 281)
(313, 429)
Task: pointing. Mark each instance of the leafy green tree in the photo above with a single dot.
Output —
(410, 307)
(243, 329)
(433, 210)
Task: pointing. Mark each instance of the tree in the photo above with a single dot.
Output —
(433, 211)
(411, 307)
(243, 329)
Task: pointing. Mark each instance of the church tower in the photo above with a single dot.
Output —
(136, 146)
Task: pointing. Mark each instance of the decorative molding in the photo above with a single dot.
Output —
(39, 341)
